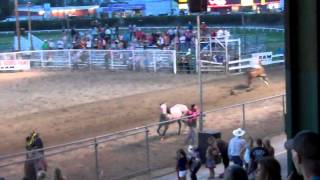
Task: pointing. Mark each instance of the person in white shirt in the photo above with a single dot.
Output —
(60, 44)
(89, 44)
(52, 45)
(236, 146)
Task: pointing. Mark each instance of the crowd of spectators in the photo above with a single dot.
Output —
(107, 37)
(112, 38)
(253, 159)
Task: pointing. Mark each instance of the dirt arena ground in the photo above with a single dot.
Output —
(67, 106)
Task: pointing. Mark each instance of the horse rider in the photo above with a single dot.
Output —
(256, 70)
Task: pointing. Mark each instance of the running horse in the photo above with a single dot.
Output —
(175, 112)
(256, 70)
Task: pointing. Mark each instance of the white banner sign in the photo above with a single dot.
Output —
(13, 65)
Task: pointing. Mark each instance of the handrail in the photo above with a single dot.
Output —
(103, 138)
(247, 102)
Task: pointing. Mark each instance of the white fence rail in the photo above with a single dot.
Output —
(267, 58)
(135, 60)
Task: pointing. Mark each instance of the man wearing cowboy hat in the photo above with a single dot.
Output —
(236, 145)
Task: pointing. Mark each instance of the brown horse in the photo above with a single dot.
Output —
(257, 72)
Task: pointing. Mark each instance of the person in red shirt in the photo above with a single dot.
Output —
(193, 114)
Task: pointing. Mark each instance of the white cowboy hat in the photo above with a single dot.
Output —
(238, 132)
(190, 149)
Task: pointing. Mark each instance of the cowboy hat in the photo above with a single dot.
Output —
(190, 149)
(238, 132)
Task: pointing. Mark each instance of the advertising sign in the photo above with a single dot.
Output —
(14, 65)
(232, 3)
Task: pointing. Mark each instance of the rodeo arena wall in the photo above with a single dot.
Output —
(130, 60)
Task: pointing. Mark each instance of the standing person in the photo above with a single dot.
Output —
(73, 33)
(268, 146)
(249, 147)
(223, 148)
(190, 26)
(192, 114)
(236, 146)
(194, 162)
(305, 150)
(182, 164)
(45, 45)
(211, 152)
(235, 172)
(268, 169)
(256, 154)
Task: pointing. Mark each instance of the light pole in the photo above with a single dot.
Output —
(198, 60)
(29, 26)
(17, 23)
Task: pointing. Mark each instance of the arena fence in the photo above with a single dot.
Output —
(110, 156)
(76, 59)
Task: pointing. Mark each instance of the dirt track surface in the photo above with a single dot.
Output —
(65, 106)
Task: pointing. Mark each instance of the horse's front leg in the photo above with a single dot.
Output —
(179, 123)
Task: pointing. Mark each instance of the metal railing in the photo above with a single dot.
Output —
(141, 138)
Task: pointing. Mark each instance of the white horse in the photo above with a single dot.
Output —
(167, 114)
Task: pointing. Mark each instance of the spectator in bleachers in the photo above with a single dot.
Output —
(190, 26)
(60, 44)
(203, 29)
(58, 175)
(257, 153)
(236, 146)
(45, 45)
(305, 150)
(52, 45)
(73, 33)
(268, 169)
(268, 146)
(235, 172)
(182, 164)
(211, 153)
